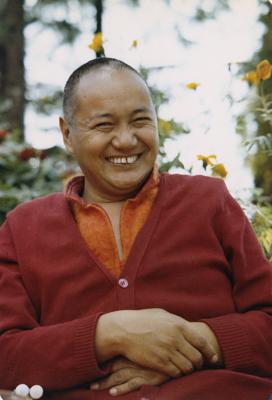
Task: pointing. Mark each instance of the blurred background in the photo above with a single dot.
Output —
(207, 63)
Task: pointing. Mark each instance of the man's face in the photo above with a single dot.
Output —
(114, 136)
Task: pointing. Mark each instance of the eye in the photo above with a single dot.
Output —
(103, 126)
(142, 120)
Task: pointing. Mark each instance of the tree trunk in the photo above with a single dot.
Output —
(99, 13)
(12, 81)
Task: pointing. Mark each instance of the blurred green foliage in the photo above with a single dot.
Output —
(262, 224)
(26, 173)
(259, 212)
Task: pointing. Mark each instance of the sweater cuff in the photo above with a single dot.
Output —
(84, 350)
(232, 339)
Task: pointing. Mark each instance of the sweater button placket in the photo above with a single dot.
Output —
(124, 292)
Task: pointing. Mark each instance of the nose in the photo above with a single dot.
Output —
(124, 139)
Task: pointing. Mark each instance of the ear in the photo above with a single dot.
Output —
(66, 135)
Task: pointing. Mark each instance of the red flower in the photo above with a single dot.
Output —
(3, 134)
(42, 154)
(27, 153)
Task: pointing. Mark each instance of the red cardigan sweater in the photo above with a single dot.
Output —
(196, 257)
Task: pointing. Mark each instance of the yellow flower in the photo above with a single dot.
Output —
(264, 70)
(134, 44)
(192, 85)
(97, 42)
(219, 170)
(252, 77)
(206, 160)
(165, 127)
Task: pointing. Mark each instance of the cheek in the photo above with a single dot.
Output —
(153, 143)
(151, 139)
(90, 147)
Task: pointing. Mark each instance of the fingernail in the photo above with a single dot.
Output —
(113, 391)
(94, 386)
(214, 358)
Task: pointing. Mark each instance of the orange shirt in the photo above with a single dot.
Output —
(95, 225)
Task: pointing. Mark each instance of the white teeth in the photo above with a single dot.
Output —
(123, 160)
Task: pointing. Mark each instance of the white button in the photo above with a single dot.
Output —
(36, 392)
(123, 282)
(22, 390)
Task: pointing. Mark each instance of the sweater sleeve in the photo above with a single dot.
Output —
(245, 336)
(56, 357)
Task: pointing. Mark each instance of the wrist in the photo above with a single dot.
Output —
(107, 337)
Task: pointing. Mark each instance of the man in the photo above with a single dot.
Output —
(149, 286)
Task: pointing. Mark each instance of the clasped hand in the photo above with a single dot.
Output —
(126, 376)
(153, 346)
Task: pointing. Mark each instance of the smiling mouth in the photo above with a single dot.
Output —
(124, 160)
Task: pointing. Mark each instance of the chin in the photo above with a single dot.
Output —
(129, 185)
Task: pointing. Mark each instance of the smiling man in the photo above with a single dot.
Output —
(113, 134)
(134, 283)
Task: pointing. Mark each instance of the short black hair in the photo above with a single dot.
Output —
(73, 80)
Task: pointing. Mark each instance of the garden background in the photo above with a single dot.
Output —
(207, 62)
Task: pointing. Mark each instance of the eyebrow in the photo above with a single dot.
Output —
(141, 110)
(103, 115)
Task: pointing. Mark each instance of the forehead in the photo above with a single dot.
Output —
(107, 87)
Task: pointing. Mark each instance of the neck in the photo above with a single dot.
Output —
(90, 196)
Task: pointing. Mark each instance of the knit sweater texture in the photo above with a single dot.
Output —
(196, 256)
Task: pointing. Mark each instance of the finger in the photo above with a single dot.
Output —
(122, 362)
(159, 362)
(192, 354)
(116, 378)
(182, 363)
(201, 344)
(129, 386)
(167, 367)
